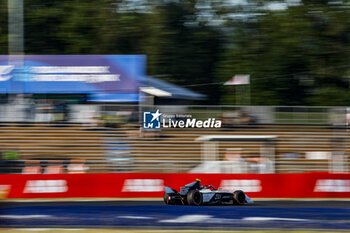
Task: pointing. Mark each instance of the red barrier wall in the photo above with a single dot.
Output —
(151, 184)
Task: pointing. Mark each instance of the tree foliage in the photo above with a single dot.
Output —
(298, 55)
(3, 27)
(292, 54)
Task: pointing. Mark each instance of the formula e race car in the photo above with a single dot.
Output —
(196, 194)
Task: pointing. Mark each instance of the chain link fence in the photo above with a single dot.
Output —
(110, 138)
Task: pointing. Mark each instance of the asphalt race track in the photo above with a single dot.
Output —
(328, 215)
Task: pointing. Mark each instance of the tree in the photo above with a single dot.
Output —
(3, 27)
(280, 49)
(186, 48)
(290, 54)
(42, 20)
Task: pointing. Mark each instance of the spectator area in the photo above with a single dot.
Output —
(297, 148)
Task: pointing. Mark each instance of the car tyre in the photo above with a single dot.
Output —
(194, 197)
(239, 197)
(167, 199)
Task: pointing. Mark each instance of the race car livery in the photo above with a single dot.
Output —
(196, 194)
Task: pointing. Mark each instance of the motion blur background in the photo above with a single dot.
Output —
(262, 67)
(76, 77)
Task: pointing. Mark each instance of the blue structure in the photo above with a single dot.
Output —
(102, 78)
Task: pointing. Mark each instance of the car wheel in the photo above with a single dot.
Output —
(194, 197)
(167, 199)
(238, 197)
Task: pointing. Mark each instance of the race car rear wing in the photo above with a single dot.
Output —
(169, 190)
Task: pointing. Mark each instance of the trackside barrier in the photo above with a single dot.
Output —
(304, 185)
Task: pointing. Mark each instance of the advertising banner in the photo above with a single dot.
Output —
(36, 74)
(132, 185)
